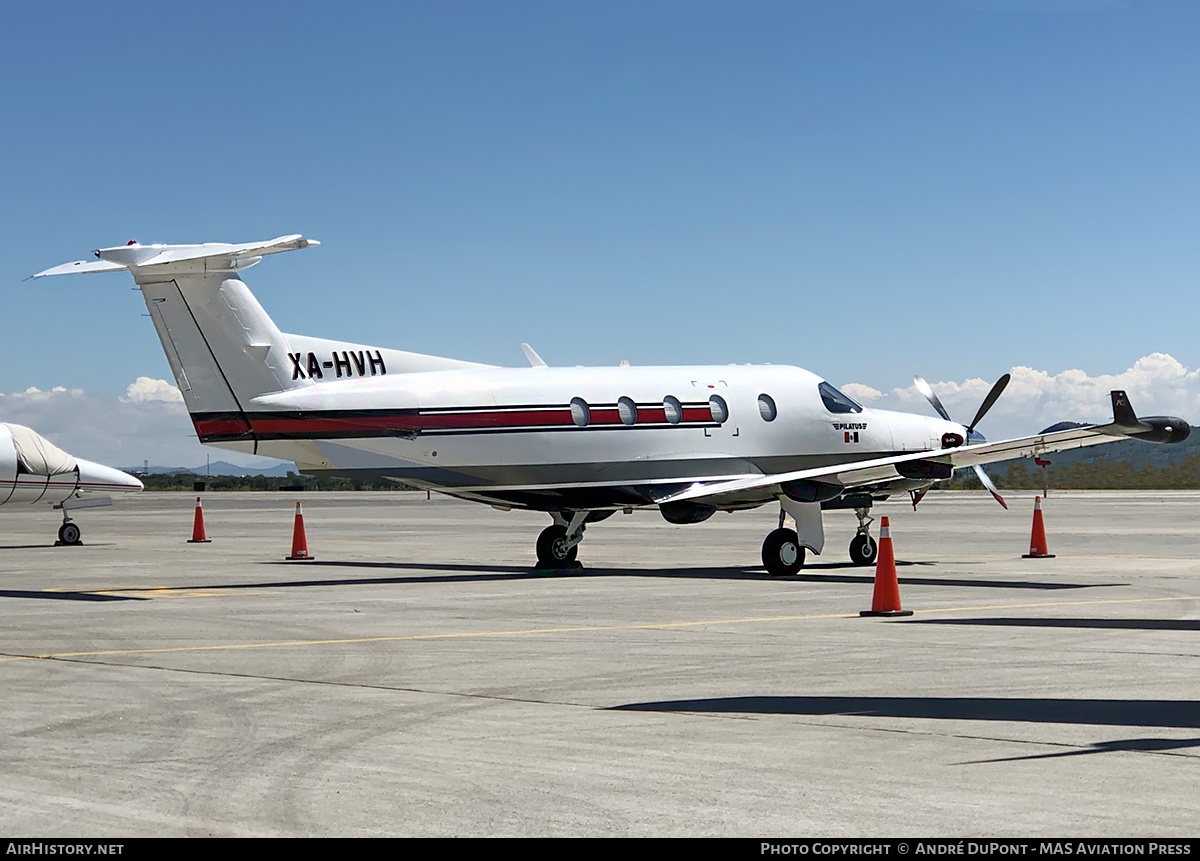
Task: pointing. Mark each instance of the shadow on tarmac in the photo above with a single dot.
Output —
(1148, 713)
(1119, 624)
(64, 596)
(475, 573)
(1125, 745)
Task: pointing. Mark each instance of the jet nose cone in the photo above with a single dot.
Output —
(104, 479)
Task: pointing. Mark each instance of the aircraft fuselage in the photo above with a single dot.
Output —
(556, 438)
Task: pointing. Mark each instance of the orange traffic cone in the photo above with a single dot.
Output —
(299, 543)
(198, 527)
(1037, 540)
(886, 600)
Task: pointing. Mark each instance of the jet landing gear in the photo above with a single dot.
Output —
(69, 532)
(558, 545)
(863, 549)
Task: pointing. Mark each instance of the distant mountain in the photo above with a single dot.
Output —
(218, 467)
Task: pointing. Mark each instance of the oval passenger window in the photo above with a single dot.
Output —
(580, 414)
(627, 409)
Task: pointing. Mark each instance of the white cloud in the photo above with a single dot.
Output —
(862, 394)
(1157, 384)
(145, 389)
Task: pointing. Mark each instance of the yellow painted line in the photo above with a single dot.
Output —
(568, 630)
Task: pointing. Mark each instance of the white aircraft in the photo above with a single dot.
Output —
(576, 443)
(33, 470)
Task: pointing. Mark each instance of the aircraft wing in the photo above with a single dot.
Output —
(941, 463)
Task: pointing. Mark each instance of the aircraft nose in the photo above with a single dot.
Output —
(104, 479)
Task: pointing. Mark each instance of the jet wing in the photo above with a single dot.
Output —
(941, 463)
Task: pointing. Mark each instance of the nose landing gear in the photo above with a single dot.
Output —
(863, 548)
(69, 532)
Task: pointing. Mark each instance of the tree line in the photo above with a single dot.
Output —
(1100, 475)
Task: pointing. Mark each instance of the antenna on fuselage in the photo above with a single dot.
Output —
(535, 361)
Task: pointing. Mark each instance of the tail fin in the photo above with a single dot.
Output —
(220, 343)
(222, 346)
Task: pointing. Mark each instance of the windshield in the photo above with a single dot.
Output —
(837, 402)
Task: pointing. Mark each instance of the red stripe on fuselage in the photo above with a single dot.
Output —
(293, 424)
(220, 427)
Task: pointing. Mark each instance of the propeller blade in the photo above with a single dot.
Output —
(986, 480)
(925, 389)
(988, 402)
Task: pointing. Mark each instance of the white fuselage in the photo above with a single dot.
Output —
(19, 485)
(526, 436)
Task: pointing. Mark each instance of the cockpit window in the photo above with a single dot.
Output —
(835, 401)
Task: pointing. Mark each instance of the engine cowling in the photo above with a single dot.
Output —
(683, 513)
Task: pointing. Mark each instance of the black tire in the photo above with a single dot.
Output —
(550, 550)
(863, 550)
(69, 533)
(781, 553)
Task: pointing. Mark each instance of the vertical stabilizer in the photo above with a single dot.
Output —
(220, 343)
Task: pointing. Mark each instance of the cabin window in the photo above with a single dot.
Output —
(627, 409)
(836, 402)
(580, 414)
(673, 409)
(719, 409)
(766, 408)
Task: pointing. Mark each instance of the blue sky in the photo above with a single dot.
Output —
(866, 189)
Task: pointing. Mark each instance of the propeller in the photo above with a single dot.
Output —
(972, 435)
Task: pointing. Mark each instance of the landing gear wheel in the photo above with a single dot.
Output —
(863, 550)
(552, 550)
(781, 553)
(69, 533)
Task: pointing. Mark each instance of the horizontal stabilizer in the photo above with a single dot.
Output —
(168, 259)
(81, 267)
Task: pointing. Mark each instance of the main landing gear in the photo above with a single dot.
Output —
(783, 553)
(558, 545)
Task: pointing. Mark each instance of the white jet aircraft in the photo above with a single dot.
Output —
(33, 470)
(576, 443)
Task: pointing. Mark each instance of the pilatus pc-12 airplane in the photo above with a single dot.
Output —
(576, 443)
(34, 470)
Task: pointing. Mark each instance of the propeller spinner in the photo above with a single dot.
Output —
(972, 435)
